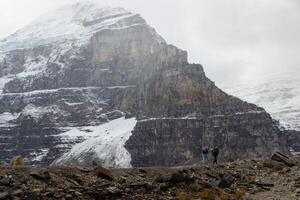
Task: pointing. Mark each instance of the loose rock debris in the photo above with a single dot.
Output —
(276, 178)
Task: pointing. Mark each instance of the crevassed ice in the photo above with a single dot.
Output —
(279, 94)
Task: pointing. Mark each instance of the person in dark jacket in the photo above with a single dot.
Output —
(215, 153)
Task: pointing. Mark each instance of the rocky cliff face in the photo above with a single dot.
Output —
(70, 94)
(174, 141)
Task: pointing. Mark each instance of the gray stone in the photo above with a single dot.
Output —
(164, 186)
(5, 181)
(20, 179)
(4, 195)
(40, 175)
(69, 197)
(18, 192)
(279, 157)
(226, 180)
(181, 176)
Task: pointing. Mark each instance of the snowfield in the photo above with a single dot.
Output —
(6, 118)
(74, 23)
(279, 94)
(104, 142)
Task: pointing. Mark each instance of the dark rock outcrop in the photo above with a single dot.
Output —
(279, 157)
(177, 141)
(293, 140)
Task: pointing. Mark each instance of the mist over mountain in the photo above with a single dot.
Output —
(247, 39)
(111, 102)
(88, 84)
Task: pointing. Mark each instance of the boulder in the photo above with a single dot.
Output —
(276, 166)
(4, 195)
(181, 176)
(40, 175)
(279, 157)
(103, 173)
(5, 181)
(226, 180)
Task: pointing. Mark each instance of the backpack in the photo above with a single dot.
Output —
(215, 152)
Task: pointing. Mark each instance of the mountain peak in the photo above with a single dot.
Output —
(88, 11)
(72, 22)
(99, 84)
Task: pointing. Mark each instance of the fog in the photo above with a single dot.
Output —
(235, 40)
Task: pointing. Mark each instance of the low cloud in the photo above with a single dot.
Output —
(234, 40)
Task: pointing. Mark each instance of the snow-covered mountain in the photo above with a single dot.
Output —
(279, 94)
(74, 23)
(38, 82)
(88, 84)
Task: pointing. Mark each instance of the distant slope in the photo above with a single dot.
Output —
(279, 94)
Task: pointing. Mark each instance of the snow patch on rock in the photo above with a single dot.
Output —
(38, 112)
(38, 156)
(3, 81)
(6, 118)
(47, 91)
(105, 141)
(33, 67)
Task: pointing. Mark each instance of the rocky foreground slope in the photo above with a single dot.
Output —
(87, 84)
(276, 178)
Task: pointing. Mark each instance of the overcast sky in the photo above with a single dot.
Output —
(234, 39)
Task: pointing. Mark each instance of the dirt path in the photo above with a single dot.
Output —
(286, 185)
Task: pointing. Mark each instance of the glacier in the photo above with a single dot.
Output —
(103, 143)
(278, 93)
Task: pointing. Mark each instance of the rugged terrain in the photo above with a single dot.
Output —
(275, 178)
(86, 84)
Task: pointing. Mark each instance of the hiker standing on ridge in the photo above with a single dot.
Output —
(215, 153)
(204, 155)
